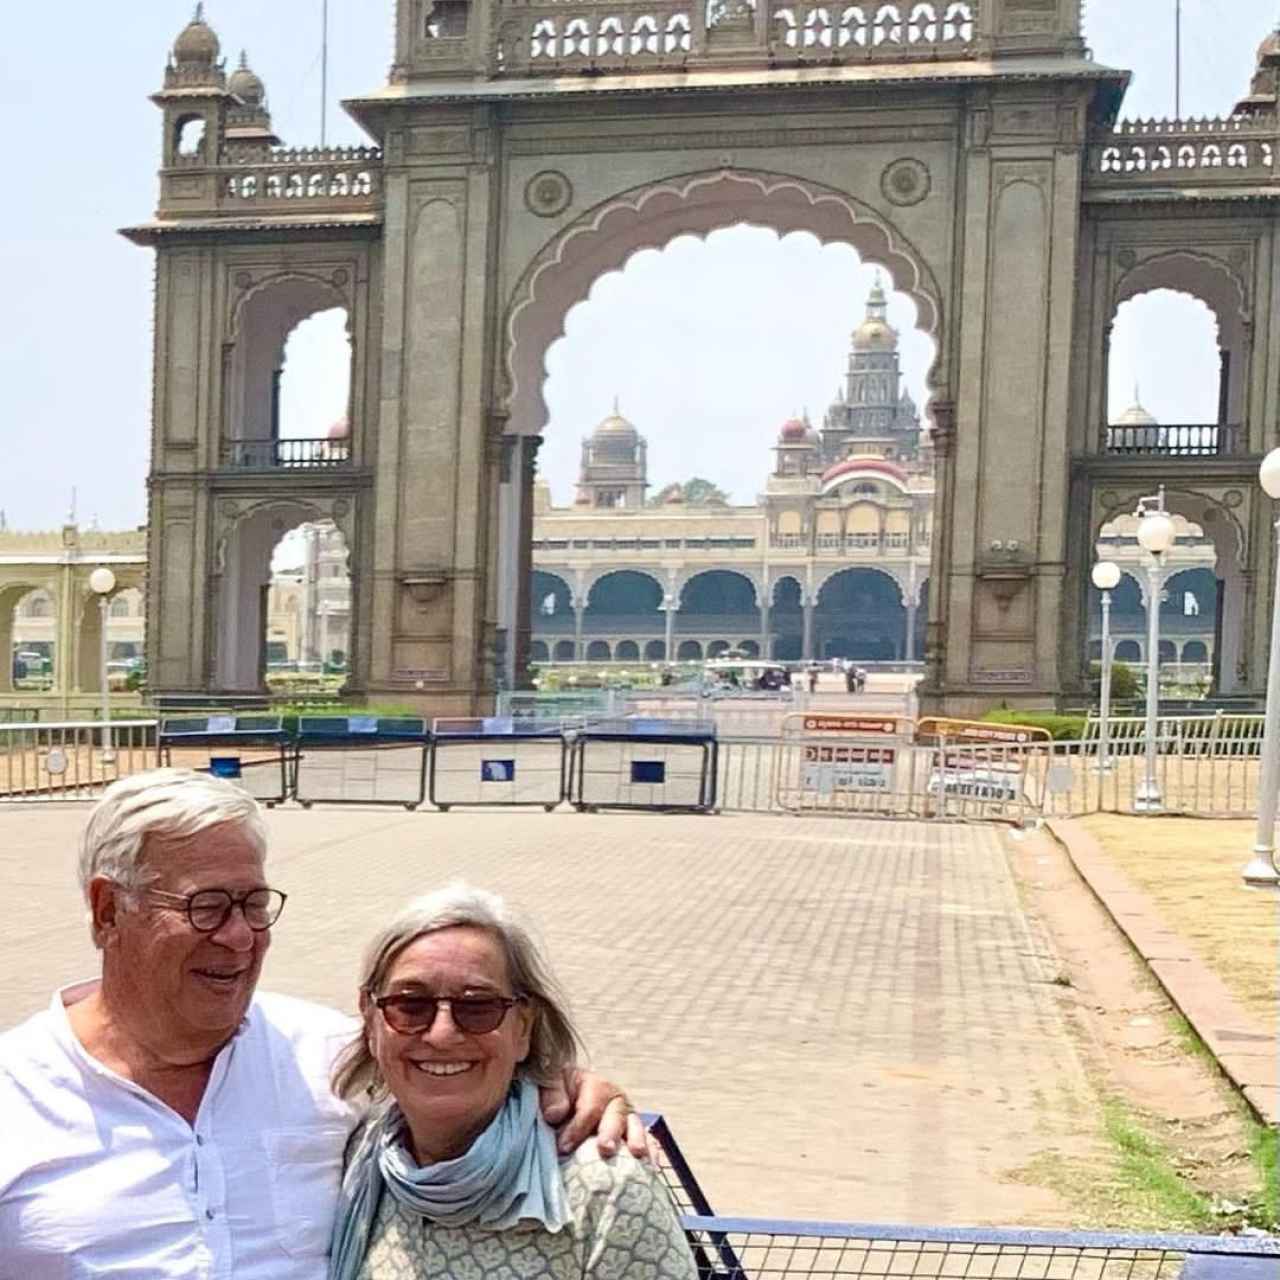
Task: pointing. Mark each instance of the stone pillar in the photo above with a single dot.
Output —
(942, 434)
(579, 609)
(669, 607)
(88, 674)
(523, 480)
(806, 645)
(765, 636)
(6, 643)
(505, 558)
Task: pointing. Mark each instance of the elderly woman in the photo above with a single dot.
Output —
(454, 1172)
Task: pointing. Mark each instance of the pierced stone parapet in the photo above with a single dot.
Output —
(1163, 151)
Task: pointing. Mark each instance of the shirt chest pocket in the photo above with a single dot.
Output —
(304, 1167)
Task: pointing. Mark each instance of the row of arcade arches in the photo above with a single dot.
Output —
(626, 614)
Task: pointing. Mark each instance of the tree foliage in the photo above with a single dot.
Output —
(697, 492)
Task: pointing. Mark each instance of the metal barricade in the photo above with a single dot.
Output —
(251, 751)
(361, 760)
(497, 760)
(657, 765)
(732, 1248)
(71, 760)
(847, 763)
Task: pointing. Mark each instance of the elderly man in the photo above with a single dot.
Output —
(165, 1120)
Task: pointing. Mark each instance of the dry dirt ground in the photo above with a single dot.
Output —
(1190, 869)
(1143, 1066)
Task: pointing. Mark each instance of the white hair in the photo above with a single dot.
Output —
(554, 1041)
(160, 802)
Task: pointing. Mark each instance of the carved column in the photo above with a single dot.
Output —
(669, 607)
(764, 625)
(942, 433)
(528, 469)
(806, 645)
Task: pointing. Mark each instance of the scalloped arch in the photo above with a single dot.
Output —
(738, 571)
(324, 287)
(883, 571)
(649, 216)
(1198, 275)
(1125, 505)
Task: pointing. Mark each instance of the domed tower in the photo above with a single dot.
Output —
(872, 414)
(1264, 90)
(249, 120)
(799, 449)
(195, 101)
(614, 470)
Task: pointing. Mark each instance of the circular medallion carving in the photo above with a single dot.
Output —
(1232, 498)
(1109, 498)
(229, 510)
(1209, 516)
(906, 182)
(244, 279)
(340, 508)
(1239, 258)
(548, 193)
(1127, 259)
(340, 278)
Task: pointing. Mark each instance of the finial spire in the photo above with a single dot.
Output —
(244, 60)
(617, 413)
(199, 16)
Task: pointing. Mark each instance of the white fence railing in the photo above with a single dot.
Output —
(71, 760)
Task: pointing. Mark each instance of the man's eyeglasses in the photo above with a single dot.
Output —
(411, 1014)
(207, 910)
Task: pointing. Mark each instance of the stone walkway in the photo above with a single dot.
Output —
(842, 1019)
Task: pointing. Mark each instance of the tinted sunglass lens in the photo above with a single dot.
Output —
(410, 1013)
(478, 1016)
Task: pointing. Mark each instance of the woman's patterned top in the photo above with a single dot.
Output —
(622, 1225)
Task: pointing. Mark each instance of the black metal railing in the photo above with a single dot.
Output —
(268, 455)
(1182, 440)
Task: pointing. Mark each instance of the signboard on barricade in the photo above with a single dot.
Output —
(250, 750)
(361, 759)
(980, 769)
(841, 762)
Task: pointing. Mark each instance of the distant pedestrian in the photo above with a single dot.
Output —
(813, 679)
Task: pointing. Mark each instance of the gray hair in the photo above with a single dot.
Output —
(172, 803)
(554, 1041)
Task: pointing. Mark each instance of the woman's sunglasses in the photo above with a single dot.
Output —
(411, 1014)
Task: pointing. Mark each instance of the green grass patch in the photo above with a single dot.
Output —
(1149, 1179)
(1266, 1159)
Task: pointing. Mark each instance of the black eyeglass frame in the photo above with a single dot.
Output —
(185, 903)
(465, 1003)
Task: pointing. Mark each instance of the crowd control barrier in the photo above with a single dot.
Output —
(361, 760)
(731, 1248)
(497, 760)
(251, 751)
(665, 765)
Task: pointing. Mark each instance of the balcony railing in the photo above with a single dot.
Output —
(552, 37)
(1172, 152)
(297, 455)
(1191, 440)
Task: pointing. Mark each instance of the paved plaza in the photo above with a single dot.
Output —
(842, 1019)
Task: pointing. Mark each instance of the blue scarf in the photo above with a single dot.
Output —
(510, 1173)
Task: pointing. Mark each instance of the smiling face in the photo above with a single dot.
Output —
(449, 1083)
(183, 992)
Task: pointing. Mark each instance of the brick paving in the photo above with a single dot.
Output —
(841, 1018)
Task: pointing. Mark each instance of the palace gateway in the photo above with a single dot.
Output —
(523, 147)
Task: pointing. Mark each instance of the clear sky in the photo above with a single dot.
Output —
(709, 346)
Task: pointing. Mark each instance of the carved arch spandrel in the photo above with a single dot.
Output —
(327, 296)
(1227, 293)
(605, 238)
(231, 513)
(1107, 506)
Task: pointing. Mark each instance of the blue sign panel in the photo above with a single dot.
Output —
(497, 770)
(653, 771)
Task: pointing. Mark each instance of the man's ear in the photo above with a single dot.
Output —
(105, 908)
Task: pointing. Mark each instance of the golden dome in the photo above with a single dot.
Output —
(875, 335)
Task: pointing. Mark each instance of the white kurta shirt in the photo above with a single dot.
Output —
(98, 1177)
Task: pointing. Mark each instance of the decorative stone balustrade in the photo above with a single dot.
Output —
(1167, 152)
(556, 36)
(854, 32)
(336, 179)
(1187, 440)
(270, 455)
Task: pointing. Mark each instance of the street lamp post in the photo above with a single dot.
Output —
(1155, 536)
(102, 582)
(1106, 577)
(1261, 873)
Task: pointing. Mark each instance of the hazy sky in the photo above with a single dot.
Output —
(709, 346)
